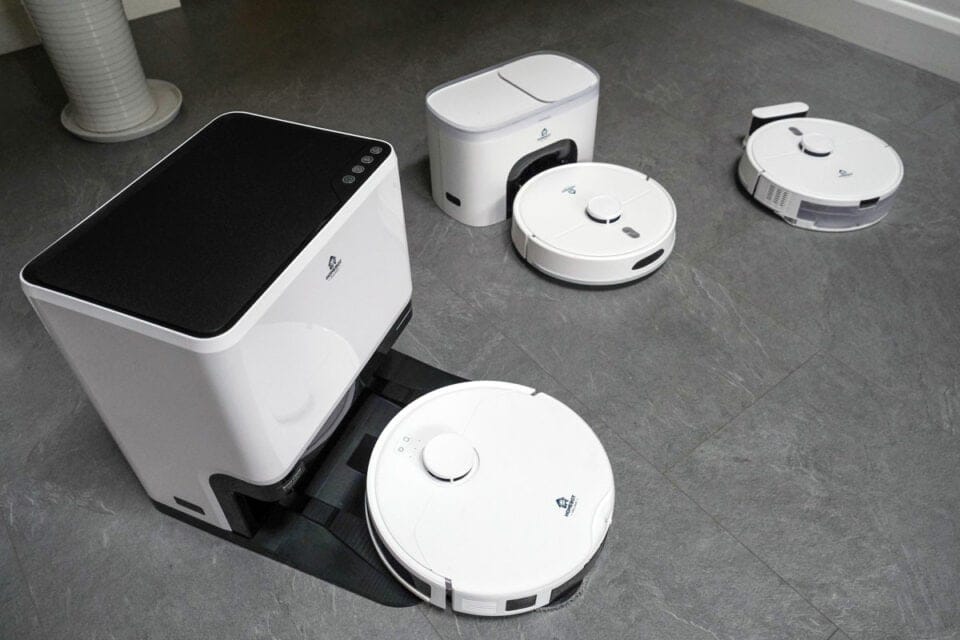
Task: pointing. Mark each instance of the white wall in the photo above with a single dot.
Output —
(16, 32)
(924, 33)
(951, 7)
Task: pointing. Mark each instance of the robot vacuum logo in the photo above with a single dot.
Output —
(568, 505)
(334, 264)
(544, 134)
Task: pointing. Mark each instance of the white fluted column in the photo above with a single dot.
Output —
(90, 46)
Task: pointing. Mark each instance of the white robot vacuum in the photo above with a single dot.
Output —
(593, 223)
(489, 497)
(818, 174)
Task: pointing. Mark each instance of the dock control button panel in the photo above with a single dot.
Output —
(353, 175)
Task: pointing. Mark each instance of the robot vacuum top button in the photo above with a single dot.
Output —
(449, 457)
(604, 208)
(816, 144)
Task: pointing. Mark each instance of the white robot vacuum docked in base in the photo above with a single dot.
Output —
(594, 224)
(489, 496)
(818, 174)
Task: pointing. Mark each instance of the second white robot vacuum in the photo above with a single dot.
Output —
(818, 174)
(489, 497)
(593, 223)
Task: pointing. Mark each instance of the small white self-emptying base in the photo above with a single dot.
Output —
(593, 223)
(489, 496)
(820, 174)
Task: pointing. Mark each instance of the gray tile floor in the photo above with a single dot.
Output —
(782, 408)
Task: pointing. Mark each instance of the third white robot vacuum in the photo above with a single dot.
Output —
(593, 223)
(818, 174)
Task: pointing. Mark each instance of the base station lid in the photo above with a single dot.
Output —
(595, 210)
(491, 485)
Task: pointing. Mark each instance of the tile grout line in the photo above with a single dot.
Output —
(666, 474)
(739, 297)
(823, 350)
(496, 325)
(643, 457)
(23, 575)
(738, 540)
(436, 632)
(717, 431)
(876, 386)
(913, 125)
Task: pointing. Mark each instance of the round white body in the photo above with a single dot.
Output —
(594, 224)
(819, 174)
(489, 496)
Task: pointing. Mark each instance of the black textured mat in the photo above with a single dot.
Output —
(321, 529)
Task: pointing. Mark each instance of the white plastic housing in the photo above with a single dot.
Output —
(250, 401)
(521, 504)
(820, 174)
(480, 125)
(594, 223)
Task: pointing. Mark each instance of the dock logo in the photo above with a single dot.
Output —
(544, 134)
(334, 264)
(843, 173)
(568, 505)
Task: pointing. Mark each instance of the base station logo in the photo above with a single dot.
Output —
(334, 264)
(567, 504)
